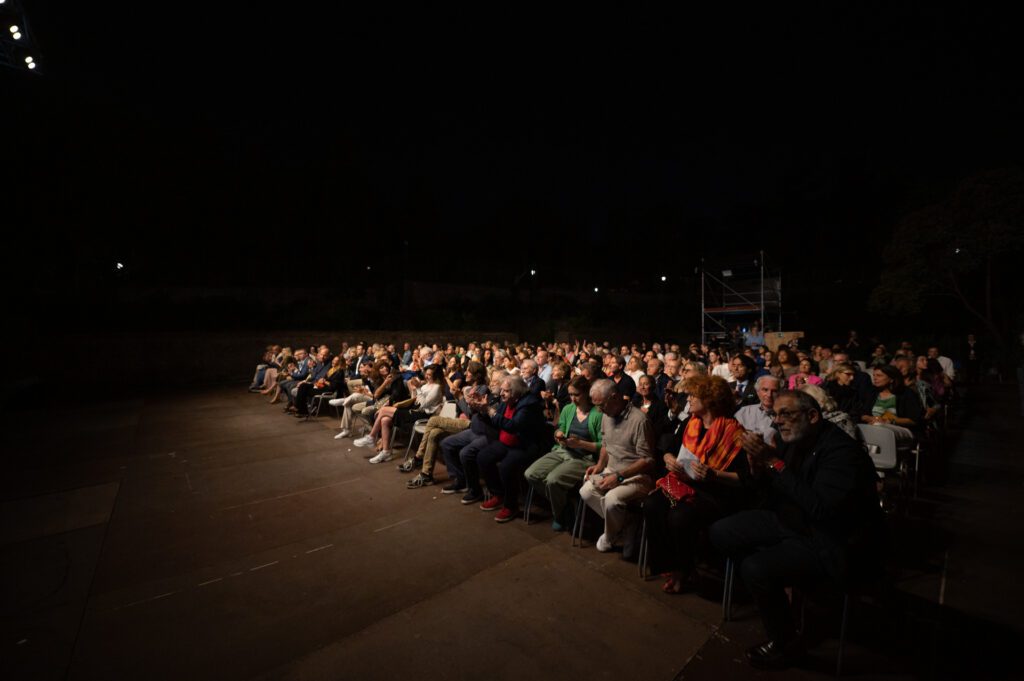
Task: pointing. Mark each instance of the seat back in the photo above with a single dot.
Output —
(449, 410)
(881, 444)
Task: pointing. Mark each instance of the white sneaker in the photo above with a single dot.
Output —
(336, 402)
(604, 544)
(364, 441)
(385, 455)
(342, 434)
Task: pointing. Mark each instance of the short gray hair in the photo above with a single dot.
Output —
(766, 377)
(603, 388)
(528, 363)
(516, 386)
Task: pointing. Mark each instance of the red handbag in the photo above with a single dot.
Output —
(675, 489)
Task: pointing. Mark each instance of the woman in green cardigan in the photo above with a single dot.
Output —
(578, 442)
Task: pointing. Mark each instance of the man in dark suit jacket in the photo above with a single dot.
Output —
(528, 370)
(820, 519)
(743, 369)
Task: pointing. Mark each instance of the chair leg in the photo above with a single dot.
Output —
(577, 526)
(642, 558)
(528, 503)
(408, 448)
(730, 571)
(842, 635)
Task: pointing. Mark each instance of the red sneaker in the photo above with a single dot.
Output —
(492, 504)
(505, 515)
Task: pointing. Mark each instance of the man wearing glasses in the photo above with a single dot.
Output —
(820, 519)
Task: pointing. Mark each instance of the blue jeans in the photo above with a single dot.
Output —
(459, 451)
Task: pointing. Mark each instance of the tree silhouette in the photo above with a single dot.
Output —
(964, 248)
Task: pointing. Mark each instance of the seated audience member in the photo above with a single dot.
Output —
(647, 401)
(556, 391)
(931, 372)
(672, 368)
(718, 366)
(820, 520)
(829, 411)
(391, 391)
(427, 396)
(266, 362)
(742, 384)
(825, 361)
(879, 357)
(460, 450)
(616, 371)
(591, 371)
(295, 376)
(361, 395)
(439, 427)
(757, 418)
(861, 379)
(272, 372)
(655, 369)
(804, 375)
(510, 363)
(894, 408)
(544, 366)
(788, 360)
(702, 485)
(633, 369)
(577, 441)
(518, 419)
(528, 370)
(453, 378)
(622, 472)
(330, 381)
(841, 389)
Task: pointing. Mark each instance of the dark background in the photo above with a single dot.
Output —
(248, 162)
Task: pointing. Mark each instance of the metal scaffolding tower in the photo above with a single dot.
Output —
(740, 292)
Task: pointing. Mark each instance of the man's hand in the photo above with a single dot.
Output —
(609, 482)
(591, 470)
(756, 448)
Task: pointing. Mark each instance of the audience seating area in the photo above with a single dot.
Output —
(764, 468)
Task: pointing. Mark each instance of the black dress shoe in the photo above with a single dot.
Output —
(775, 655)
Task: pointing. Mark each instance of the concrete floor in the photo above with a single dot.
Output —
(206, 535)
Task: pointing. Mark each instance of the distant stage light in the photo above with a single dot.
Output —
(29, 60)
(32, 65)
(533, 272)
(16, 36)
(595, 289)
(664, 278)
(14, 29)
(120, 265)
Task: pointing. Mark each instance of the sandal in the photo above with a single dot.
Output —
(421, 480)
(409, 465)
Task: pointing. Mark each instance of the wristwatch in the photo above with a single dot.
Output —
(620, 479)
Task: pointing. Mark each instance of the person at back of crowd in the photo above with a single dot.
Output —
(616, 371)
(804, 375)
(742, 384)
(788, 360)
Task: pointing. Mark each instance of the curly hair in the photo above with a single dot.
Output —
(714, 392)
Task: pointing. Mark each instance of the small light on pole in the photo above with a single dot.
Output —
(533, 273)
(664, 278)
(120, 266)
(595, 289)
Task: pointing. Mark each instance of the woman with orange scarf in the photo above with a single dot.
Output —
(704, 462)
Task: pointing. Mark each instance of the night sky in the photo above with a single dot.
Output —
(247, 144)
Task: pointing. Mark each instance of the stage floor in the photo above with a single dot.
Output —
(205, 535)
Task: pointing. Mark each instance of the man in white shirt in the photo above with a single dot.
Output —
(758, 417)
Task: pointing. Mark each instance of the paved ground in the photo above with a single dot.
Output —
(205, 535)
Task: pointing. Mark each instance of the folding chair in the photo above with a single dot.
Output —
(448, 410)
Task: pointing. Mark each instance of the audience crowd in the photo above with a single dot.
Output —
(735, 450)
